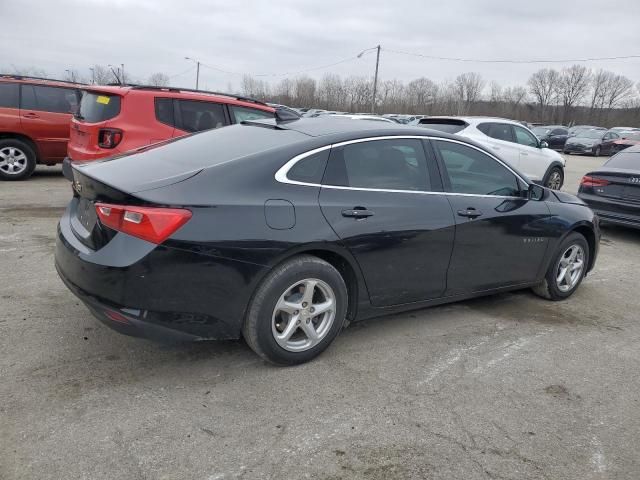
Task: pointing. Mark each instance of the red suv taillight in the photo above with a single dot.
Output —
(588, 181)
(153, 224)
(109, 137)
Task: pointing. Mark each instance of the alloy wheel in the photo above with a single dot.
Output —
(570, 268)
(555, 180)
(303, 315)
(13, 161)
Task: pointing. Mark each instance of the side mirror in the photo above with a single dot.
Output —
(535, 192)
(544, 144)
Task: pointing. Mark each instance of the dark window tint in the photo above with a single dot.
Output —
(524, 137)
(471, 171)
(49, 99)
(309, 169)
(9, 95)
(198, 116)
(98, 107)
(164, 111)
(630, 160)
(443, 125)
(499, 131)
(383, 164)
(242, 114)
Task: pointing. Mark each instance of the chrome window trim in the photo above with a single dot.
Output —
(281, 174)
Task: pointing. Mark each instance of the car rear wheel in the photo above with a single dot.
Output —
(555, 179)
(17, 159)
(567, 269)
(297, 311)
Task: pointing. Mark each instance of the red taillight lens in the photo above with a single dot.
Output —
(109, 137)
(153, 224)
(588, 181)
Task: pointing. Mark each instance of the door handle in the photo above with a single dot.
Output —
(470, 212)
(495, 148)
(31, 115)
(524, 154)
(357, 212)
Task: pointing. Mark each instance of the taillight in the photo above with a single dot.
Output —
(109, 137)
(589, 181)
(153, 224)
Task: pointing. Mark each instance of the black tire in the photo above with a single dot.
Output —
(22, 148)
(257, 328)
(566, 152)
(550, 179)
(597, 151)
(549, 287)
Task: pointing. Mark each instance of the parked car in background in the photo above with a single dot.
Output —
(594, 142)
(35, 114)
(554, 135)
(613, 190)
(624, 129)
(373, 118)
(113, 120)
(509, 140)
(283, 232)
(578, 128)
(626, 140)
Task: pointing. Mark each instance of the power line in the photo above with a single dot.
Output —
(182, 73)
(476, 60)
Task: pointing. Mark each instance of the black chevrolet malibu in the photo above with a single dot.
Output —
(284, 232)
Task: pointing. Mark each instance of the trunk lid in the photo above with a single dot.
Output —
(620, 184)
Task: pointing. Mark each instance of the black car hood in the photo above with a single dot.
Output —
(565, 197)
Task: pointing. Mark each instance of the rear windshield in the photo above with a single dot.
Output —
(627, 160)
(443, 125)
(98, 107)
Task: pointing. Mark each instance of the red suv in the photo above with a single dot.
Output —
(35, 114)
(112, 120)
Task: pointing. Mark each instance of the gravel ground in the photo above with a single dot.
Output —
(504, 387)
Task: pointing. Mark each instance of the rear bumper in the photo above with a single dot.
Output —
(159, 292)
(613, 211)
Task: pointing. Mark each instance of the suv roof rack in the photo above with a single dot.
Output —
(191, 90)
(16, 76)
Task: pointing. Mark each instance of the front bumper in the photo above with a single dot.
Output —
(578, 148)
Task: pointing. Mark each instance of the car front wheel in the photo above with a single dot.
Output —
(597, 151)
(567, 269)
(555, 179)
(17, 159)
(297, 311)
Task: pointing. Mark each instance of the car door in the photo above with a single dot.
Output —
(9, 111)
(558, 138)
(384, 199)
(500, 233)
(533, 162)
(45, 116)
(501, 140)
(607, 142)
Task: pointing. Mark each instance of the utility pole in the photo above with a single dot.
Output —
(375, 82)
(93, 75)
(123, 82)
(197, 70)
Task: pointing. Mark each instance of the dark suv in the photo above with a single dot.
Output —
(35, 115)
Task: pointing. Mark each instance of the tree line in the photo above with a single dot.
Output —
(574, 95)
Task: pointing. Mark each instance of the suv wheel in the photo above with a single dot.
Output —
(555, 179)
(567, 269)
(17, 159)
(297, 311)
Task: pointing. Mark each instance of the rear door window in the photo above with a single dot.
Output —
(197, 116)
(499, 131)
(9, 94)
(243, 114)
(97, 107)
(49, 99)
(380, 164)
(164, 111)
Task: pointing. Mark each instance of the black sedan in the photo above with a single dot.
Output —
(555, 135)
(613, 190)
(284, 232)
(594, 142)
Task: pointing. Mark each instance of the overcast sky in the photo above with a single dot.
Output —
(272, 37)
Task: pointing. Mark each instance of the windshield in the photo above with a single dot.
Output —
(630, 135)
(541, 130)
(591, 134)
(627, 160)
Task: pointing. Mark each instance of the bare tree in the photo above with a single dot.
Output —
(468, 87)
(101, 75)
(572, 87)
(305, 90)
(159, 79)
(543, 85)
(421, 94)
(617, 89)
(29, 71)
